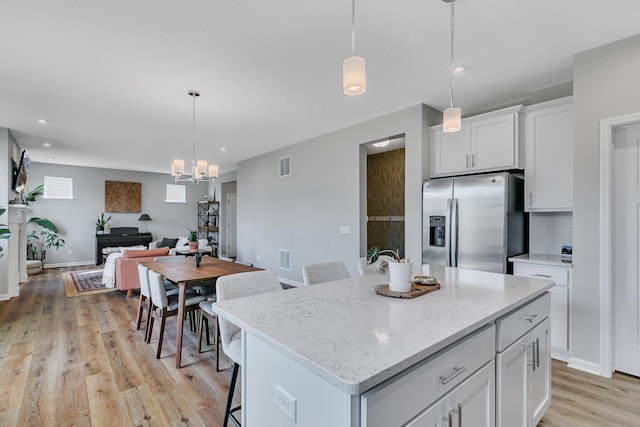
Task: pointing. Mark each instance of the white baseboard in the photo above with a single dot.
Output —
(562, 355)
(290, 282)
(71, 264)
(585, 366)
(5, 297)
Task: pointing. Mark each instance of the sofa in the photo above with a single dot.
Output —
(181, 243)
(127, 267)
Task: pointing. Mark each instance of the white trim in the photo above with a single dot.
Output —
(585, 366)
(70, 264)
(607, 126)
(290, 282)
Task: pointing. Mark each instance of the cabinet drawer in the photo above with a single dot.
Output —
(519, 322)
(401, 398)
(559, 275)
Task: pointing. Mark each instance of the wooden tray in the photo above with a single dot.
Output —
(416, 291)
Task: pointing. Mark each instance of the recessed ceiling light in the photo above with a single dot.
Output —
(381, 144)
(460, 68)
(46, 144)
(43, 121)
(223, 149)
(50, 158)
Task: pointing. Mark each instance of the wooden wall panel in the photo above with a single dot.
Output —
(122, 197)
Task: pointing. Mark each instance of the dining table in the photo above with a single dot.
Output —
(184, 273)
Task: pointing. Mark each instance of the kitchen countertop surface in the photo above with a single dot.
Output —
(553, 260)
(354, 339)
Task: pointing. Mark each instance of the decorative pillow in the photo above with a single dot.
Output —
(167, 243)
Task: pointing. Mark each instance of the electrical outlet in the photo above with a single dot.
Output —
(286, 403)
(345, 229)
(69, 251)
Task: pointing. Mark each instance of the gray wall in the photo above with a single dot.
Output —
(606, 84)
(227, 188)
(75, 217)
(303, 212)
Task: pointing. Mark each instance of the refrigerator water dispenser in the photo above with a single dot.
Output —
(437, 230)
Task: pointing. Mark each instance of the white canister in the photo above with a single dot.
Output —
(400, 276)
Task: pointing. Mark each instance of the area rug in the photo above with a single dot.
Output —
(81, 283)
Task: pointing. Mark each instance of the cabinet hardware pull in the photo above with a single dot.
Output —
(467, 161)
(538, 352)
(539, 275)
(456, 371)
(530, 317)
(473, 160)
(459, 412)
(450, 419)
(530, 197)
(531, 362)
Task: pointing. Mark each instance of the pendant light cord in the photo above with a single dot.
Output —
(353, 27)
(452, 32)
(193, 159)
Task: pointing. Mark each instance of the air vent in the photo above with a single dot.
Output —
(285, 259)
(285, 166)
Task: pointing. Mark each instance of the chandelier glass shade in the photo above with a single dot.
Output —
(200, 170)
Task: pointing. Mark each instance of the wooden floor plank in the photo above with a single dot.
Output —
(80, 361)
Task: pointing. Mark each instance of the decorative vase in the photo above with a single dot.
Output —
(400, 276)
(193, 245)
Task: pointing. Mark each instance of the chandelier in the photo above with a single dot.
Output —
(200, 169)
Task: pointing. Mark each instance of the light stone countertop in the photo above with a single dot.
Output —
(543, 259)
(354, 339)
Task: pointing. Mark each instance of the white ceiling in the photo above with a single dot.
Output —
(112, 76)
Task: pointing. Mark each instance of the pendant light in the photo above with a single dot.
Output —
(200, 169)
(452, 117)
(354, 74)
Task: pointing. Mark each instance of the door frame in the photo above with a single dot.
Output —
(227, 221)
(607, 128)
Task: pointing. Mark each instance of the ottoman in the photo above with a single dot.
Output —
(33, 267)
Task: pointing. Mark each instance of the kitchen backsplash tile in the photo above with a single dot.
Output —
(549, 231)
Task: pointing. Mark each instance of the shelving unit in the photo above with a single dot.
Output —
(208, 214)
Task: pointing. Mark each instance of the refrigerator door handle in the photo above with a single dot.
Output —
(447, 234)
(454, 233)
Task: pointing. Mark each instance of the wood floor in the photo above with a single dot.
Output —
(80, 362)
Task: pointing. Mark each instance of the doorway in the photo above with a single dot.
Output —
(230, 223)
(626, 256)
(385, 193)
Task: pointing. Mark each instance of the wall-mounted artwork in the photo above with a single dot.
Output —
(122, 197)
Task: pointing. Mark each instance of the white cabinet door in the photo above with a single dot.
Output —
(560, 317)
(549, 159)
(473, 402)
(511, 389)
(451, 151)
(493, 143)
(540, 372)
(435, 416)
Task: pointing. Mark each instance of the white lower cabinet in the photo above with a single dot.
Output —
(523, 377)
(470, 404)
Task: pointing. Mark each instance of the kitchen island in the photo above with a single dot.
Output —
(337, 354)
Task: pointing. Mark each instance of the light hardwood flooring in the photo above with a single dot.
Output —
(80, 362)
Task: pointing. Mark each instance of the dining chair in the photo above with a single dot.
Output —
(324, 272)
(237, 286)
(374, 267)
(144, 303)
(207, 314)
(166, 306)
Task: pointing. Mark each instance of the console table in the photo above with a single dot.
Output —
(120, 236)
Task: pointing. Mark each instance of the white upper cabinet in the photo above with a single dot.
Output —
(548, 130)
(487, 142)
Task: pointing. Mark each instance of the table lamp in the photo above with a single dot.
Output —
(144, 218)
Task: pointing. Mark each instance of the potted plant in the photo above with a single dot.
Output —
(101, 223)
(399, 269)
(192, 237)
(46, 236)
(5, 233)
(32, 195)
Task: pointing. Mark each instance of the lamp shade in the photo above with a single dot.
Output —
(202, 167)
(144, 217)
(213, 171)
(452, 120)
(354, 76)
(177, 167)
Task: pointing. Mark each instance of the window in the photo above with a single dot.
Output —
(56, 187)
(176, 193)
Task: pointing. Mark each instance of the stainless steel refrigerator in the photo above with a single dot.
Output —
(474, 221)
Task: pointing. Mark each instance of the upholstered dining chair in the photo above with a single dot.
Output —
(364, 268)
(324, 272)
(231, 287)
(166, 306)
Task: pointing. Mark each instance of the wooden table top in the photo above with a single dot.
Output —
(185, 270)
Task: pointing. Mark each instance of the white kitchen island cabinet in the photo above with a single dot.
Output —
(337, 354)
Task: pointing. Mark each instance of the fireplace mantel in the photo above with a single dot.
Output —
(17, 248)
